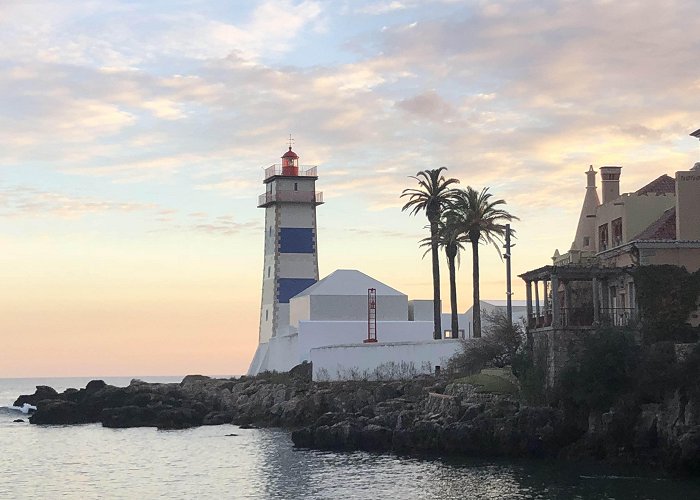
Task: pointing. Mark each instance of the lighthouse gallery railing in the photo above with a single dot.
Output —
(290, 196)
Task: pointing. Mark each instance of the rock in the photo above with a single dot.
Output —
(189, 379)
(217, 418)
(128, 416)
(42, 392)
(374, 438)
(58, 412)
(177, 418)
(94, 386)
(302, 371)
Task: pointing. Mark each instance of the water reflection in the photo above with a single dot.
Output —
(92, 462)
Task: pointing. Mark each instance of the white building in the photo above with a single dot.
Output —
(326, 322)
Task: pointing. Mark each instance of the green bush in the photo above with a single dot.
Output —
(531, 375)
(666, 296)
(602, 372)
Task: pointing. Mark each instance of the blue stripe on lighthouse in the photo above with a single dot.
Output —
(296, 240)
(289, 287)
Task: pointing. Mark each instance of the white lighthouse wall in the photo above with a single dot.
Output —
(297, 215)
(297, 264)
(382, 360)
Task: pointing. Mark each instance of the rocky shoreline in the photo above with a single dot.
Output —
(417, 416)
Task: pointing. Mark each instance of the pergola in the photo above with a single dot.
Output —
(558, 312)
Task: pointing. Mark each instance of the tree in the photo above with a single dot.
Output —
(451, 239)
(482, 221)
(432, 196)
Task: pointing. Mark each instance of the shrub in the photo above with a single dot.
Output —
(497, 348)
(603, 370)
(666, 296)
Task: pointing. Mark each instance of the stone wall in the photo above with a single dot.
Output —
(552, 349)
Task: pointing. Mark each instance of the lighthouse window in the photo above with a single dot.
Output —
(268, 271)
(296, 186)
(266, 313)
(270, 230)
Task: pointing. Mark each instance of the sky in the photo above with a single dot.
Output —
(133, 137)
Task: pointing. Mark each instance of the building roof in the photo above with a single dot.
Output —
(663, 184)
(696, 133)
(663, 228)
(348, 282)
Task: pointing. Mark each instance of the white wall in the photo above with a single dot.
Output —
(420, 310)
(393, 360)
(354, 307)
(282, 354)
(314, 334)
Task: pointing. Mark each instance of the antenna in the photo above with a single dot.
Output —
(291, 141)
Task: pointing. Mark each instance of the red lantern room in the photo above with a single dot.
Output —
(290, 163)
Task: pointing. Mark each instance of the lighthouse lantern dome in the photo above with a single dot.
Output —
(290, 163)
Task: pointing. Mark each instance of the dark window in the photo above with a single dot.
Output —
(603, 237)
(586, 241)
(296, 186)
(617, 232)
(266, 312)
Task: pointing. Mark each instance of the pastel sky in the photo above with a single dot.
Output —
(133, 136)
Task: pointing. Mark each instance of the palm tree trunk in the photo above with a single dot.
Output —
(453, 296)
(476, 310)
(437, 323)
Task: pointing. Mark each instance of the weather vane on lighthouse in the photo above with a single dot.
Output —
(291, 142)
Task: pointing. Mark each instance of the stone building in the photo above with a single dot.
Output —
(591, 283)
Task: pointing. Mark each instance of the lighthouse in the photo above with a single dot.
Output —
(291, 257)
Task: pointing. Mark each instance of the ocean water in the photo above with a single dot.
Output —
(88, 461)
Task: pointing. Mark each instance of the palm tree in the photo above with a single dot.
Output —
(482, 221)
(432, 196)
(451, 239)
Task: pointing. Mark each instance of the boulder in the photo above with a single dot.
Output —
(41, 393)
(58, 412)
(128, 416)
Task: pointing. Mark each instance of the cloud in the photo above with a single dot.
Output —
(22, 201)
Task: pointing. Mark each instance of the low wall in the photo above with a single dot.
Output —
(314, 334)
(381, 360)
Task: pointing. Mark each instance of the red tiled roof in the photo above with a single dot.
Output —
(664, 228)
(661, 185)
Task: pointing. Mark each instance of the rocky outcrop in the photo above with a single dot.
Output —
(447, 420)
(423, 415)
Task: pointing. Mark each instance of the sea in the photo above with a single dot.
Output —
(220, 462)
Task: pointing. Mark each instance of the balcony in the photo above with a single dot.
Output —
(289, 196)
(300, 171)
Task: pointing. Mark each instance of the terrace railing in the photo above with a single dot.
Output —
(618, 316)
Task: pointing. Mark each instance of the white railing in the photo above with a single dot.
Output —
(290, 197)
(300, 171)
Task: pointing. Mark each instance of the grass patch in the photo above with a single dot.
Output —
(485, 382)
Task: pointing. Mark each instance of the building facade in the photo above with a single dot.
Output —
(590, 284)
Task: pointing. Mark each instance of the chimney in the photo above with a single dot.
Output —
(611, 183)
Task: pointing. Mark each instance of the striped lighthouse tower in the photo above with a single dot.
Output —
(291, 258)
